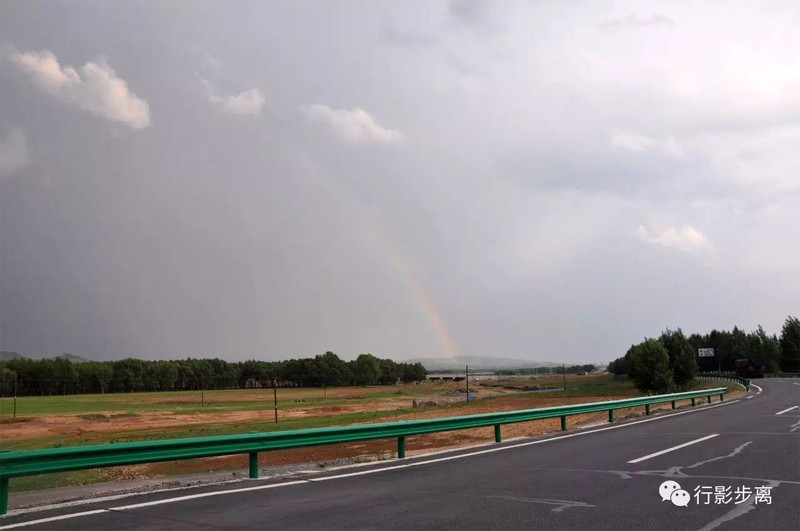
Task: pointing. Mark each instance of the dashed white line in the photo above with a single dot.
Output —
(668, 450)
(786, 410)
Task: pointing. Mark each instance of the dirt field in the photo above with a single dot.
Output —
(75, 420)
(383, 449)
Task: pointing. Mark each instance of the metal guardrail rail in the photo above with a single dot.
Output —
(744, 382)
(30, 462)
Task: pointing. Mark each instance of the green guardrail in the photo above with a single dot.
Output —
(30, 462)
(744, 382)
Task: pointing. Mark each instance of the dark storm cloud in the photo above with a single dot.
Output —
(369, 178)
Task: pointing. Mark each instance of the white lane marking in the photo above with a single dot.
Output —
(786, 410)
(148, 504)
(372, 471)
(54, 518)
(796, 383)
(757, 387)
(748, 397)
(103, 499)
(204, 495)
(668, 450)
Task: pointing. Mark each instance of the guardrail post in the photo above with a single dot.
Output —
(401, 447)
(611, 415)
(3, 496)
(709, 398)
(720, 397)
(498, 437)
(647, 409)
(563, 423)
(673, 404)
(692, 401)
(254, 465)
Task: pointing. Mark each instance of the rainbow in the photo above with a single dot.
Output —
(426, 302)
(429, 307)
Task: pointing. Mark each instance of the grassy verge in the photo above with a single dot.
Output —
(190, 402)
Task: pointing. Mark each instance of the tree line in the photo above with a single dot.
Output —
(671, 360)
(59, 376)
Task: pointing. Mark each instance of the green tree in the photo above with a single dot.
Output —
(765, 348)
(334, 369)
(650, 364)
(790, 345)
(682, 360)
(366, 369)
(389, 372)
(617, 367)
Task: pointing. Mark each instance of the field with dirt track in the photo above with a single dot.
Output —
(56, 421)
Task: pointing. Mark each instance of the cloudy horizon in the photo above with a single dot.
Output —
(535, 180)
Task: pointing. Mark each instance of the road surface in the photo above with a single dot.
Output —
(606, 477)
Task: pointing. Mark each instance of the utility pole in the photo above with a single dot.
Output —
(275, 398)
(467, 383)
(15, 397)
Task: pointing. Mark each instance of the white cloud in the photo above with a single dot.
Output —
(13, 152)
(684, 239)
(637, 143)
(248, 102)
(95, 87)
(355, 125)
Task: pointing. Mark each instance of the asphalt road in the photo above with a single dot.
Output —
(583, 479)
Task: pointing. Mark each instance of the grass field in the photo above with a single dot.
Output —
(56, 421)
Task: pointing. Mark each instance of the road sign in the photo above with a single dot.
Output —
(705, 352)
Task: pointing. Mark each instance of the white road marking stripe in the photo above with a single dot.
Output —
(204, 495)
(786, 410)
(668, 450)
(148, 504)
(54, 518)
(372, 471)
(757, 387)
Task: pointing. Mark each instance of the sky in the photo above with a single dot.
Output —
(542, 180)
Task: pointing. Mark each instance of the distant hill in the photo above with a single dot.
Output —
(6, 355)
(479, 363)
(72, 357)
